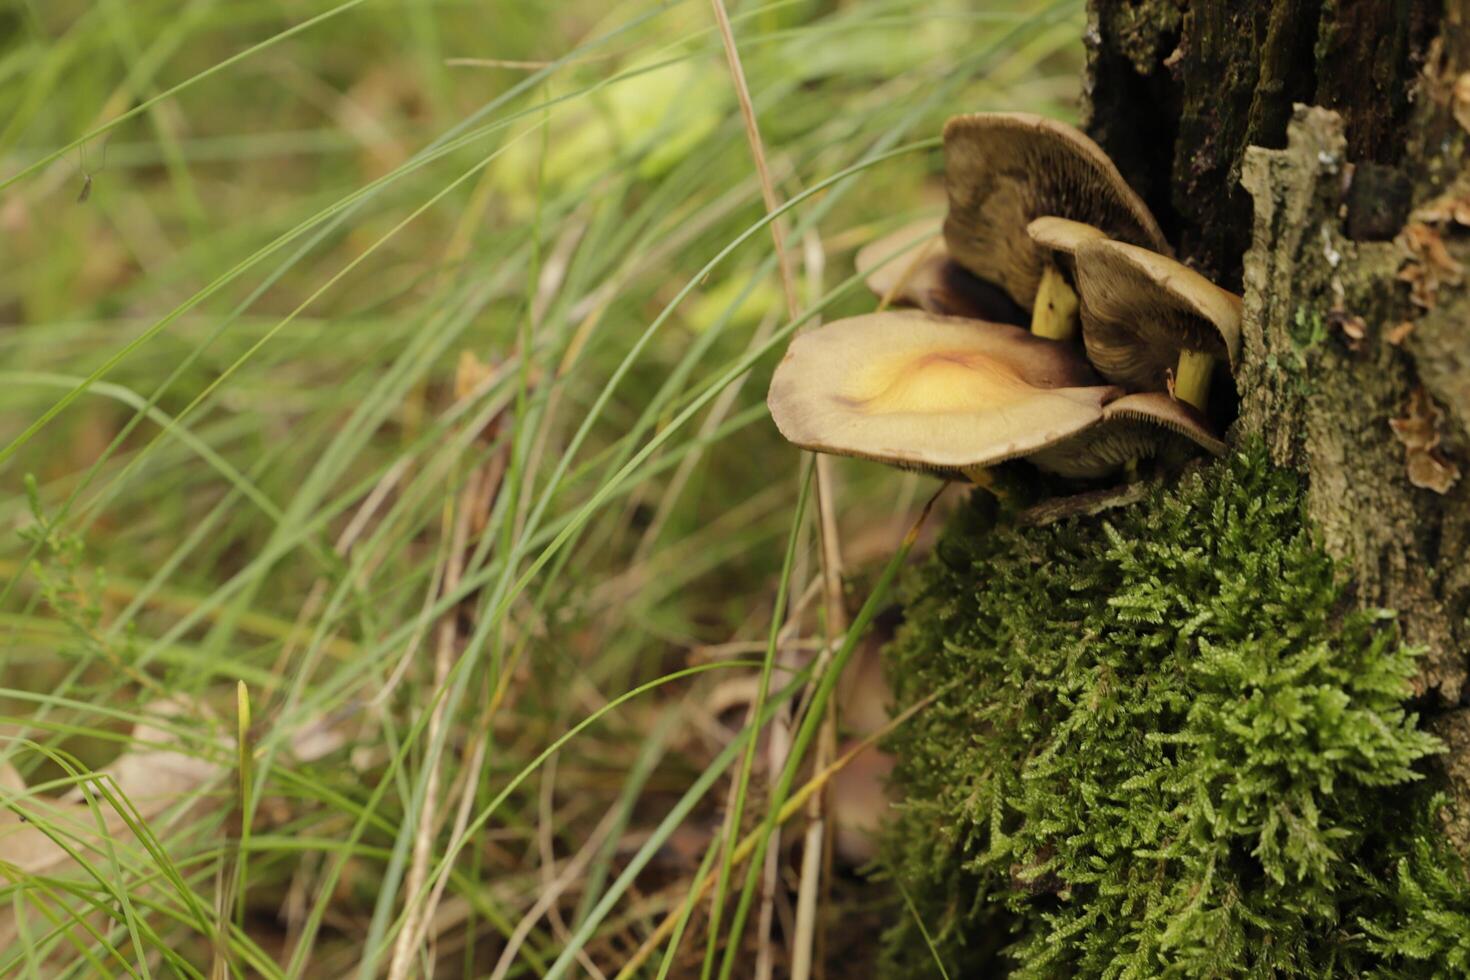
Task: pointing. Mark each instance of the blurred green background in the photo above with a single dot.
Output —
(406, 362)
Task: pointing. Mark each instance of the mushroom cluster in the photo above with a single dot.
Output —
(1042, 229)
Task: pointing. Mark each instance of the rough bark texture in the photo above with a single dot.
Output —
(1180, 90)
(1310, 154)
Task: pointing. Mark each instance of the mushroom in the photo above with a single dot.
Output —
(952, 397)
(1061, 237)
(858, 796)
(1147, 318)
(1005, 170)
(941, 394)
(911, 266)
(1055, 311)
(1133, 427)
(863, 694)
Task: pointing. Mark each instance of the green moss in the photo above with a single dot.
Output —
(1168, 745)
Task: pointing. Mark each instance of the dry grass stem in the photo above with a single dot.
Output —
(824, 488)
(447, 638)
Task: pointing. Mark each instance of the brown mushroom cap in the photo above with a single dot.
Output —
(932, 393)
(1060, 238)
(912, 267)
(1005, 170)
(1132, 427)
(1140, 309)
(1063, 235)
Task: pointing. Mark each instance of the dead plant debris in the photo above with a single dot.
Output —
(1430, 264)
(1418, 430)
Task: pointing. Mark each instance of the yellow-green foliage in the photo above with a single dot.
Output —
(1171, 747)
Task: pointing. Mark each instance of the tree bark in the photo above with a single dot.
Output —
(1310, 155)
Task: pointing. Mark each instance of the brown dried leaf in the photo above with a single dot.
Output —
(151, 778)
(152, 775)
(1460, 101)
(1451, 206)
(29, 849)
(469, 374)
(320, 738)
(472, 378)
(863, 694)
(731, 693)
(858, 798)
(1419, 426)
(1430, 471)
(10, 781)
(1430, 264)
(1418, 430)
(1429, 246)
(15, 217)
(1353, 328)
(1399, 332)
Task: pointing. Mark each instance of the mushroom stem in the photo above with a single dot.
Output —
(980, 476)
(1054, 316)
(983, 478)
(1192, 378)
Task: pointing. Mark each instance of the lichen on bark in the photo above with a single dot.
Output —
(1322, 399)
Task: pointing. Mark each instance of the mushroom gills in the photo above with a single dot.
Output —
(1147, 319)
(1132, 428)
(1005, 170)
(1101, 451)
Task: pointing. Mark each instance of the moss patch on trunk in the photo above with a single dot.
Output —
(1168, 744)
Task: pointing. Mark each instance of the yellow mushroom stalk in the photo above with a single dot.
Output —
(1055, 313)
(1149, 322)
(1192, 378)
(1054, 316)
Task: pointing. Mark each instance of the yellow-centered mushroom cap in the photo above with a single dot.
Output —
(932, 393)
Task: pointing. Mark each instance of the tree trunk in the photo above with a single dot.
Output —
(1310, 155)
(1171, 739)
